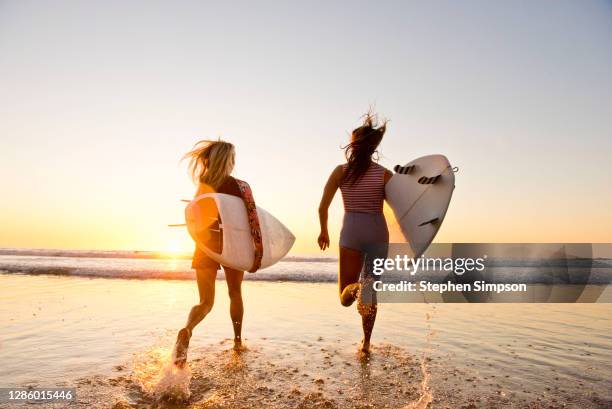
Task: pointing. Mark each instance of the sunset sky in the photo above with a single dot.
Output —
(99, 100)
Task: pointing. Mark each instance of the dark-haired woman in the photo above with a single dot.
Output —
(362, 183)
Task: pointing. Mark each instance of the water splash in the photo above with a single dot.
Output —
(425, 393)
(155, 372)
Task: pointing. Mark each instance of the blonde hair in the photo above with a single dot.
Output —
(211, 162)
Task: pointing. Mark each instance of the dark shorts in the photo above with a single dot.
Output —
(367, 233)
(361, 230)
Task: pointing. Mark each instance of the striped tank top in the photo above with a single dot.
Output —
(367, 194)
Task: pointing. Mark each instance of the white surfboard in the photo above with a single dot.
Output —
(219, 225)
(419, 194)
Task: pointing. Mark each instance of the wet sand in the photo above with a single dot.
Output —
(112, 340)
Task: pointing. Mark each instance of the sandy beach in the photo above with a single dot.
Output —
(112, 338)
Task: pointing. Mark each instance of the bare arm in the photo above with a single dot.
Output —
(387, 178)
(388, 175)
(328, 195)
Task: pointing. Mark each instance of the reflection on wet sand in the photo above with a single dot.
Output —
(312, 375)
(482, 356)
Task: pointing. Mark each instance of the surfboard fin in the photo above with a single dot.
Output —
(424, 180)
(403, 170)
(432, 221)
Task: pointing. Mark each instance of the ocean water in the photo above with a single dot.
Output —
(150, 265)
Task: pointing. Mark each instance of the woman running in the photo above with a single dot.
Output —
(211, 164)
(362, 183)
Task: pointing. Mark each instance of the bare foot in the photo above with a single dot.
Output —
(351, 292)
(181, 346)
(364, 348)
(238, 346)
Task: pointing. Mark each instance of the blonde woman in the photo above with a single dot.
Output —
(211, 164)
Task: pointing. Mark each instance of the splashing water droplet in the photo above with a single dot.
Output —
(425, 393)
(155, 372)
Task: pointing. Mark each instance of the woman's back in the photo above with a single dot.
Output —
(366, 194)
(229, 187)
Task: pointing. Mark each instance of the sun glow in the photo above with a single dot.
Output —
(177, 244)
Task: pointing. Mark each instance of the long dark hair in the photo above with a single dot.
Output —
(364, 141)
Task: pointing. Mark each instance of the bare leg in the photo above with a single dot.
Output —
(351, 263)
(367, 307)
(206, 288)
(234, 287)
(368, 317)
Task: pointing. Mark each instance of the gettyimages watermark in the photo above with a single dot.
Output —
(489, 272)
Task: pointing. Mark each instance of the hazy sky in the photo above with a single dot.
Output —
(99, 100)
